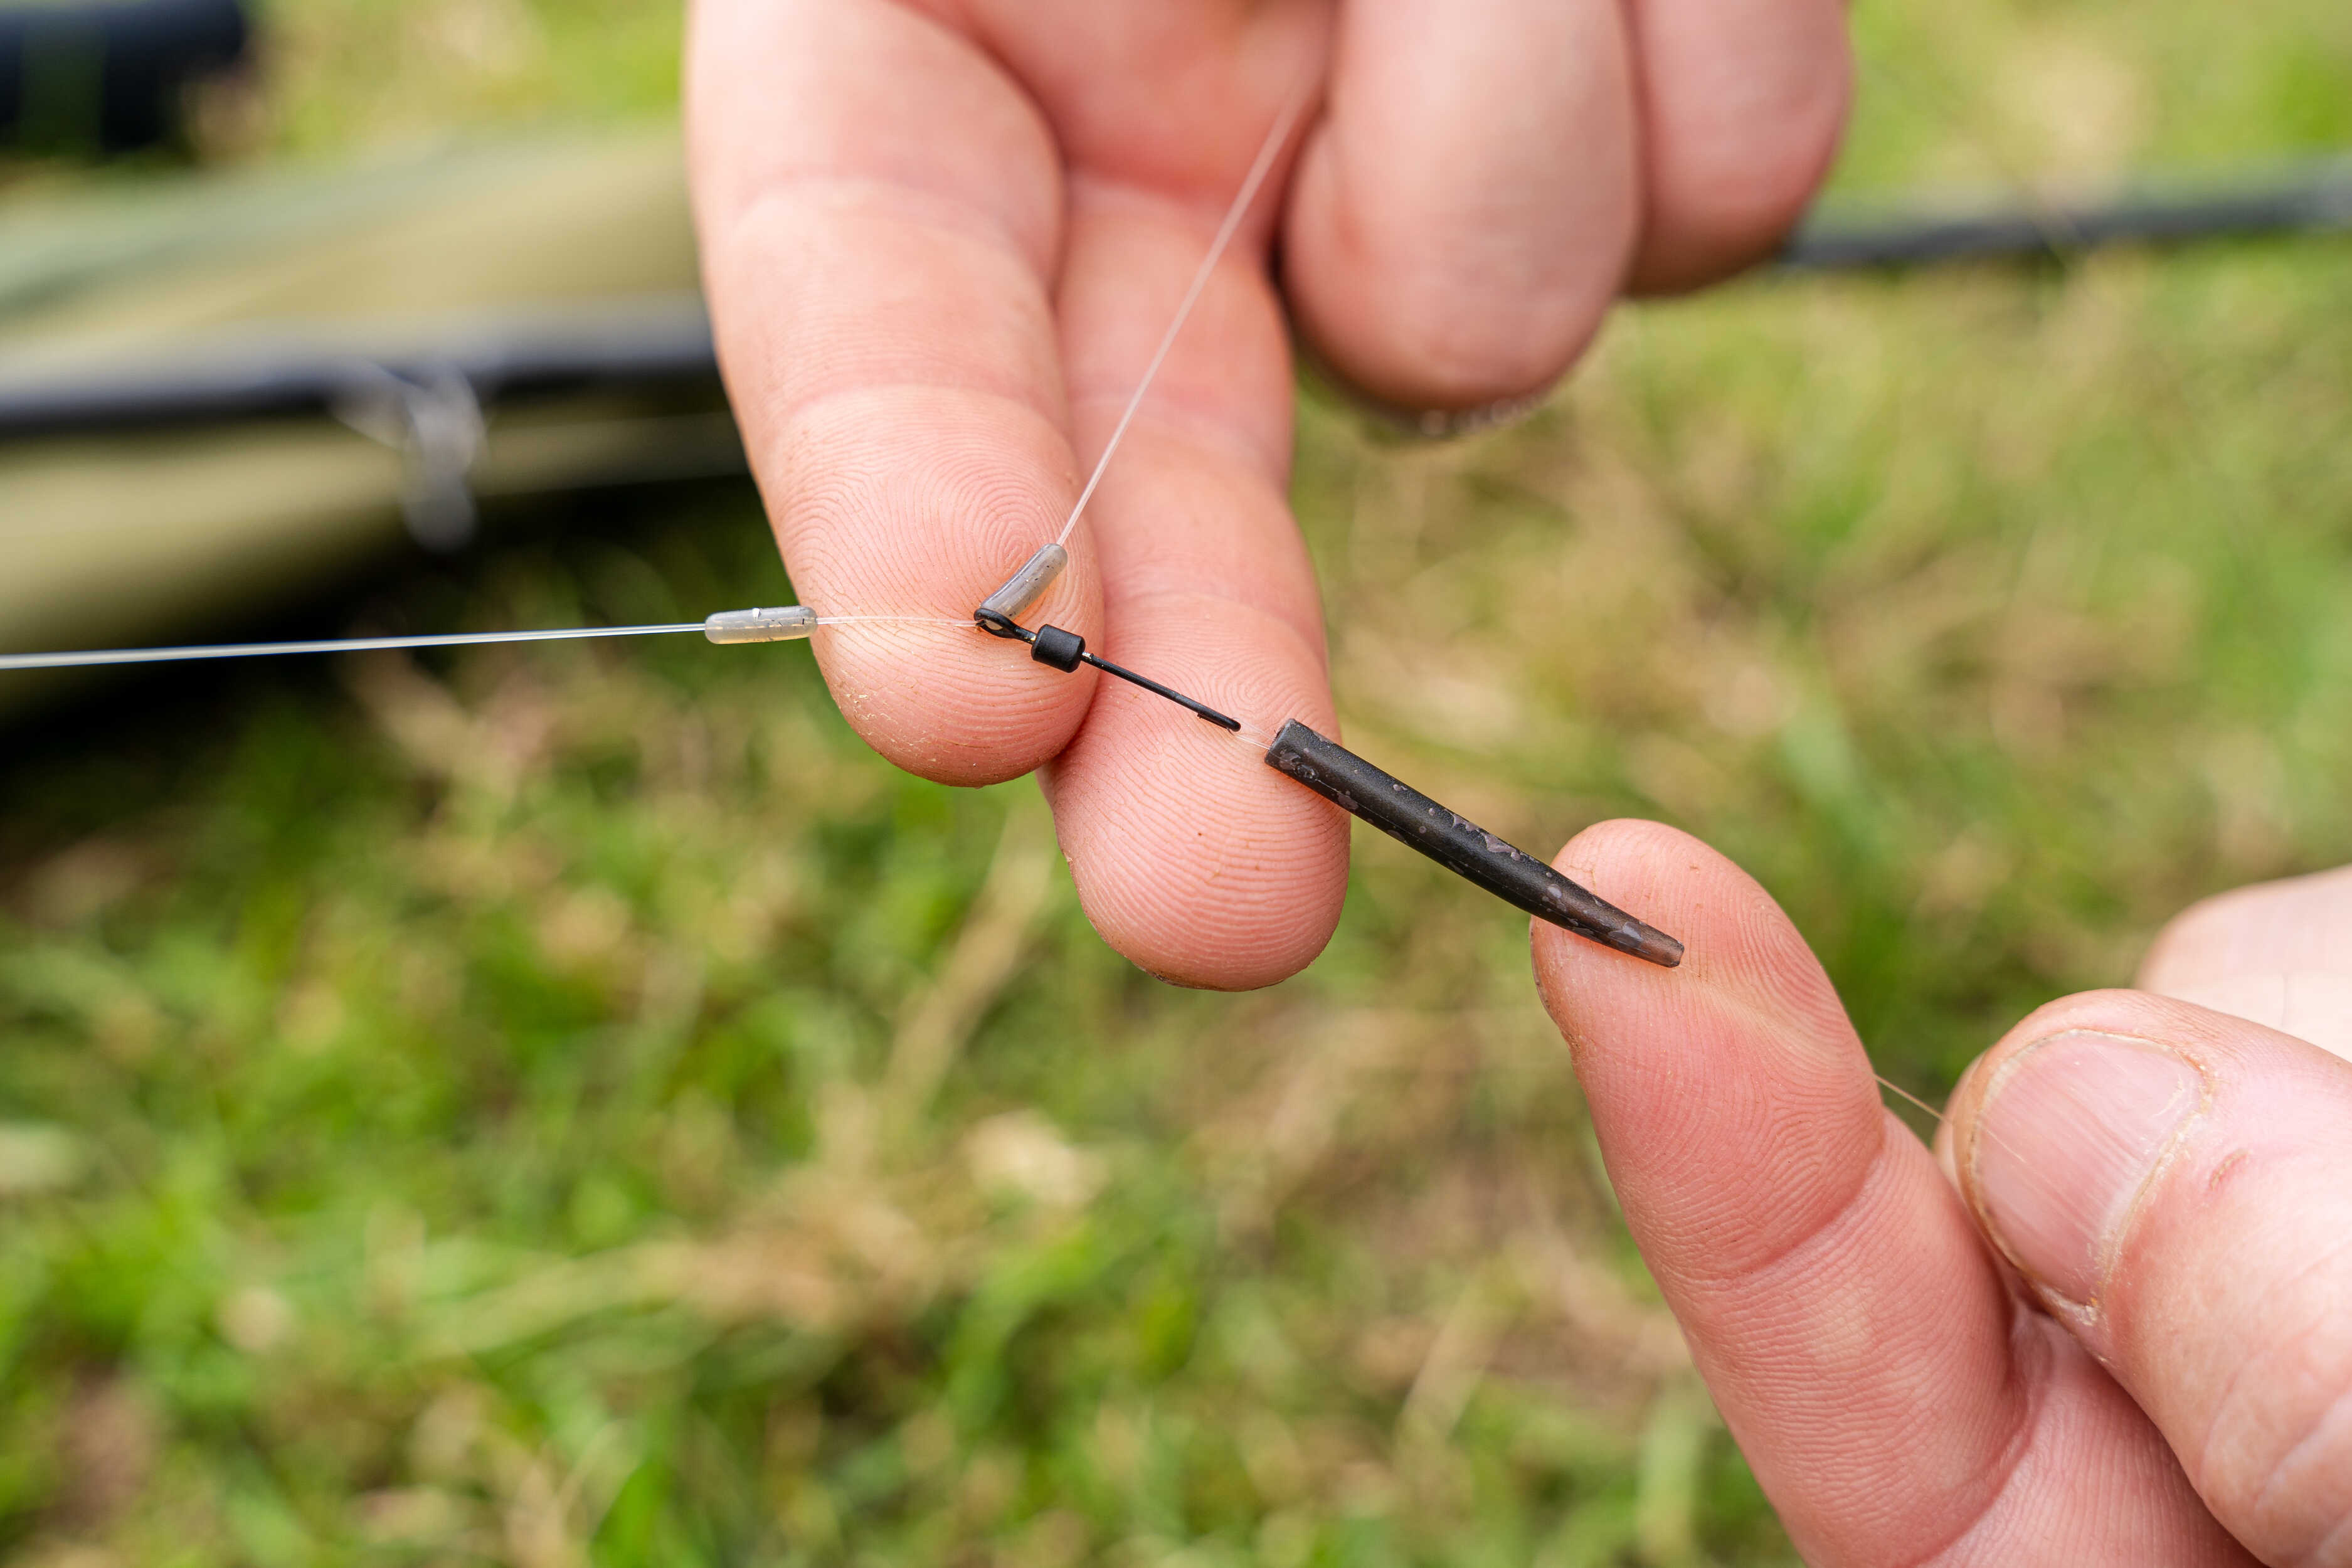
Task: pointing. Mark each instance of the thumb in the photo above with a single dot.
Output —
(2176, 1186)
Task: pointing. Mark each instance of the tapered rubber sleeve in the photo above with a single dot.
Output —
(1462, 847)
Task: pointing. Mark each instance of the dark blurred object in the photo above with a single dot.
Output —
(104, 77)
(629, 346)
(428, 397)
(2312, 199)
(343, 351)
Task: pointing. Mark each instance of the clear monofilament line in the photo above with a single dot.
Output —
(93, 656)
(1267, 154)
(90, 657)
(1889, 1084)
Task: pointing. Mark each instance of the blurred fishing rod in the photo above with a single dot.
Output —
(447, 381)
(427, 397)
(629, 347)
(2309, 199)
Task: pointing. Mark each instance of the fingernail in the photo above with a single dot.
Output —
(2070, 1132)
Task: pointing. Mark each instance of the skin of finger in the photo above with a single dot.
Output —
(1169, 99)
(1743, 102)
(1463, 213)
(1197, 499)
(1191, 856)
(2278, 955)
(1853, 1329)
(878, 208)
(2221, 1306)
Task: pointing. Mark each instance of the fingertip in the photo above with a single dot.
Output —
(881, 205)
(1738, 944)
(2273, 954)
(2170, 1183)
(1624, 861)
(1194, 859)
(1409, 327)
(1237, 889)
(2222, 1048)
(1743, 107)
(952, 705)
(899, 512)
(1712, 223)
(1738, 1068)
(1461, 219)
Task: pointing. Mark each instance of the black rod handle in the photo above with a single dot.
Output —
(1463, 848)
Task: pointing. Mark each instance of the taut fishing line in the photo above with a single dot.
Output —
(714, 629)
(324, 645)
(1243, 200)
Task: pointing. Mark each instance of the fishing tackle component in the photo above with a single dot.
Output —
(1462, 847)
(1066, 650)
(1298, 752)
(1393, 806)
(1023, 588)
(785, 623)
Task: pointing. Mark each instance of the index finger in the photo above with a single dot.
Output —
(880, 209)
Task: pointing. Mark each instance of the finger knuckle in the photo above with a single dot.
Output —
(2212, 933)
(2203, 928)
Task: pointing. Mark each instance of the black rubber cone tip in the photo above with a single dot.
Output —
(1462, 847)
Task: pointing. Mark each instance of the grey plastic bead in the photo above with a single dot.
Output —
(785, 623)
(1028, 585)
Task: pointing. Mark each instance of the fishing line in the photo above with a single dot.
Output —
(1018, 592)
(1267, 153)
(324, 645)
(710, 629)
(1889, 1084)
(1983, 1129)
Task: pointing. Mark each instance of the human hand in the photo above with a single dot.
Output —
(942, 237)
(2112, 1329)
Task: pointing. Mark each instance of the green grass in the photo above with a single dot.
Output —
(575, 1104)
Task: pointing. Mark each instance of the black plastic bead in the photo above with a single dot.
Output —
(1057, 648)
